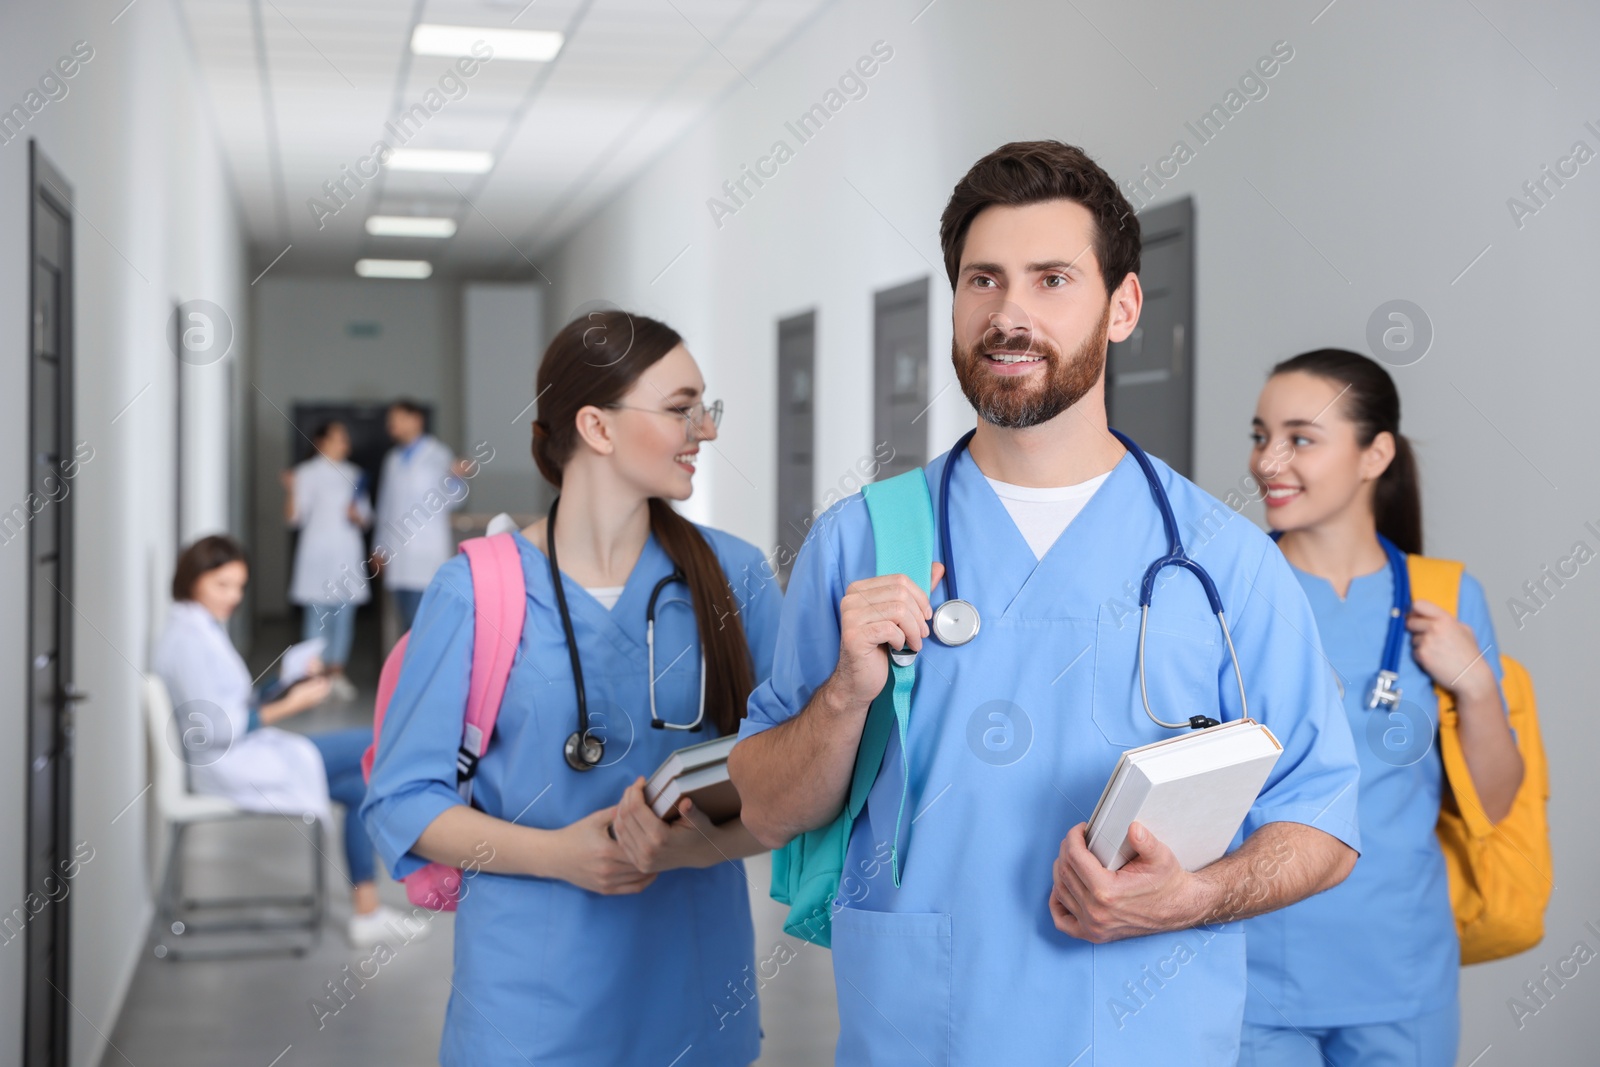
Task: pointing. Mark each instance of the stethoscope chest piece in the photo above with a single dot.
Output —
(955, 622)
(584, 751)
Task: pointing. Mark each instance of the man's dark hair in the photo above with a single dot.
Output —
(205, 555)
(409, 406)
(1032, 172)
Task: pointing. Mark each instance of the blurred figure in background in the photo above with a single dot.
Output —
(327, 501)
(230, 741)
(416, 493)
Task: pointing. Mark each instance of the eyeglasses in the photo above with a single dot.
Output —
(693, 416)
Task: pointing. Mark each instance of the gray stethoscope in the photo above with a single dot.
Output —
(956, 621)
(583, 750)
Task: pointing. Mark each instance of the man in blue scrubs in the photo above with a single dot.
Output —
(1006, 941)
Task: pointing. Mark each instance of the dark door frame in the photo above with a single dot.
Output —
(794, 515)
(910, 443)
(1146, 362)
(46, 1010)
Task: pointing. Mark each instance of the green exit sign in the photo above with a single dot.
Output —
(363, 329)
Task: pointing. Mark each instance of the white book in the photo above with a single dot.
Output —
(1192, 792)
(699, 772)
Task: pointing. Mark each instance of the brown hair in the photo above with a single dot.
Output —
(205, 555)
(595, 360)
(1032, 172)
(1371, 401)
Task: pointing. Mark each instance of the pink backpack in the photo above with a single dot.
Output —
(499, 599)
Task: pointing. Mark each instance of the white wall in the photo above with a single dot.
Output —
(502, 339)
(156, 223)
(1377, 167)
(305, 353)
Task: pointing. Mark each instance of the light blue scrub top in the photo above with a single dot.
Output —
(1012, 738)
(1381, 946)
(545, 972)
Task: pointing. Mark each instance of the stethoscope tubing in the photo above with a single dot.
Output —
(1175, 557)
(1385, 691)
(582, 750)
(656, 721)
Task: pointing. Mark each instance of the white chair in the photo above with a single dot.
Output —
(179, 809)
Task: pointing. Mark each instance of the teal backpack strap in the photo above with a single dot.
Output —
(806, 872)
(902, 535)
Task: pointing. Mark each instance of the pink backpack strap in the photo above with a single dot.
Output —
(499, 599)
(388, 678)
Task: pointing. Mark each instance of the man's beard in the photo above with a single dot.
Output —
(1014, 404)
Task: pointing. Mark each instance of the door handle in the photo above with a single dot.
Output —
(71, 694)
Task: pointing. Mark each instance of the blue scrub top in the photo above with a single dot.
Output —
(545, 972)
(1012, 738)
(1381, 946)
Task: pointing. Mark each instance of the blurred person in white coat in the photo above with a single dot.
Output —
(229, 735)
(421, 483)
(327, 502)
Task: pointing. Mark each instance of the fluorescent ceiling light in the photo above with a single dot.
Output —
(443, 161)
(431, 39)
(394, 268)
(410, 226)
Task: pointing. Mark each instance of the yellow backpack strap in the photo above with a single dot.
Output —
(1439, 582)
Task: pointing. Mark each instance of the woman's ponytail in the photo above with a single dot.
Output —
(1370, 400)
(1397, 502)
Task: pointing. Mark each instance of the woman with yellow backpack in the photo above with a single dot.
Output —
(1455, 861)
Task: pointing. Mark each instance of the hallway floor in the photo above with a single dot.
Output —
(261, 1011)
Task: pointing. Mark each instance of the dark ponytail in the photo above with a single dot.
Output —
(1371, 401)
(595, 360)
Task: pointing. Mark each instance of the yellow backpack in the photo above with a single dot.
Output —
(1500, 873)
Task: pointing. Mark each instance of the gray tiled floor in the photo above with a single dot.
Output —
(259, 1012)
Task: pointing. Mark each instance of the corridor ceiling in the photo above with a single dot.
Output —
(303, 91)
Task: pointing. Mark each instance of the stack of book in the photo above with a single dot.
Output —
(699, 772)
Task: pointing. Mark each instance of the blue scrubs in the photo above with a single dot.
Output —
(1380, 949)
(545, 972)
(1012, 738)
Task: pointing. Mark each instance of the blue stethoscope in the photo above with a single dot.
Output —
(583, 750)
(1385, 691)
(956, 621)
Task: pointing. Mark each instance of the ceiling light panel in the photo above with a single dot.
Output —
(433, 39)
(413, 269)
(410, 226)
(440, 161)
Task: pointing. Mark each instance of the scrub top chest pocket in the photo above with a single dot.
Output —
(1184, 657)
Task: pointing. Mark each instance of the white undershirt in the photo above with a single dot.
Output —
(606, 594)
(1041, 514)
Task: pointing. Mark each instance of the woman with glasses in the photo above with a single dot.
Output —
(595, 932)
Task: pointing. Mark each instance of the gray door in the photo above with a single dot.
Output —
(797, 351)
(900, 375)
(50, 690)
(1150, 391)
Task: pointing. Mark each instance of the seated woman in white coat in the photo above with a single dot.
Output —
(230, 741)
